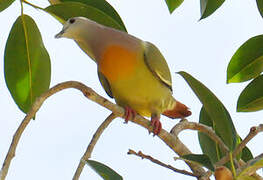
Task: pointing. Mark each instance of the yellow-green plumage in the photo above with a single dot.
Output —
(132, 71)
(140, 89)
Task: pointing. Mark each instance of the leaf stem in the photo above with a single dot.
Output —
(33, 5)
(43, 9)
(232, 164)
(22, 8)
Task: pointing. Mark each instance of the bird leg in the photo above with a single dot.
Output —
(156, 124)
(129, 114)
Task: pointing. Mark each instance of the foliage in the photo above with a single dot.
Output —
(104, 171)
(222, 122)
(28, 73)
(201, 159)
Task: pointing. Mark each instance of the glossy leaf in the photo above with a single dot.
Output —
(173, 4)
(247, 62)
(251, 98)
(246, 154)
(208, 7)
(66, 10)
(103, 6)
(104, 171)
(208, 146)
(200, 159)
(260, 7)
(251, 167)
(215, 109)
(26, 63)
(5, 4)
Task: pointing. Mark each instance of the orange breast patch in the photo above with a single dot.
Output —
(117, 63)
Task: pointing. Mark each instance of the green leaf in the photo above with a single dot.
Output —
(208, 146)
(200, 159)
(247, 178)
(215, 109)
(208, 7)
(67, 10)
(260, 7)
(104, 171)
(238, 156)
(103, 6)
(246, 154)
(5, 4)
(251, 98)
(173, 4)
(247, 62)
(26, 63)
(251, 167)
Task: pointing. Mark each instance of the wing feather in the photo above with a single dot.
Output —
(157, 64)
(105, 84)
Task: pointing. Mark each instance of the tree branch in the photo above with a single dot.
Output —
(252, 133)
(184, 124)
(156, 161)
(92, 144)
(172, 141)
(251, 171)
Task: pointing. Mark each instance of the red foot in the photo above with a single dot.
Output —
(129, 114)
(157, 126)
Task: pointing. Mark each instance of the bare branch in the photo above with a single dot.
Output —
(206, 176)
(92, 143)
(252, 133)
(184, 124)
(172, 141)
(156, 161)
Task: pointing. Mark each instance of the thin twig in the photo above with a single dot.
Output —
(251, 171)
(184, 124)
(92, 144)
(156, 161)
(33, 5)
(252, 133)
(206, 176)
(172, 141)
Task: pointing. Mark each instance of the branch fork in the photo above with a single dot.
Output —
(170, 139)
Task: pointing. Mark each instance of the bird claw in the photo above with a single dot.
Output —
(129, 114)
(156, 124)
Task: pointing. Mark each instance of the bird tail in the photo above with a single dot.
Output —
(179, 111)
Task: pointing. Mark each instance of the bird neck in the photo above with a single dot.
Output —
(90, 40)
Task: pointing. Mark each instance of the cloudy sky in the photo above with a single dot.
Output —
(52, 145)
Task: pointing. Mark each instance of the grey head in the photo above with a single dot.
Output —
(73, 27)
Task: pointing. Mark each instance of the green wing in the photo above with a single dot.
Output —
(105, 84)
(157, 64)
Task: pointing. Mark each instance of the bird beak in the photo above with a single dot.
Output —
(60, 34)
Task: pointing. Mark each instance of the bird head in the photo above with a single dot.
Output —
(72, 28)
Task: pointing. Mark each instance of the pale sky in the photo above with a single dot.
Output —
(53, 144)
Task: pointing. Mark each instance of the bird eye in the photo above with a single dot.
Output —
(71, 21)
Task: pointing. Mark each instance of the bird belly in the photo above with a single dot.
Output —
(132, 83)
(143, 92)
